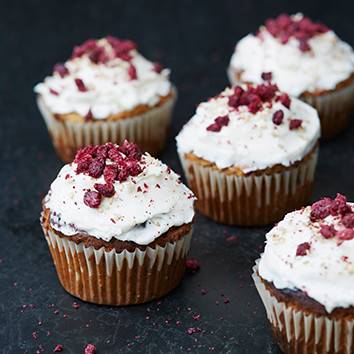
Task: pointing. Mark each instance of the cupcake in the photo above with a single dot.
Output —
(105, 92)
(249, 154)
(118, 225)
(306, 60)
(305, 278)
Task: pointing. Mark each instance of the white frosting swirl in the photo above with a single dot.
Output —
(109, 87)
(250, 141)
(329, 62)
(142, 209)
(325, 273)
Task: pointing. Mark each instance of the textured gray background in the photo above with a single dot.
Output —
(195, 39)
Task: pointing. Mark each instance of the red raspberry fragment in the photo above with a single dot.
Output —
(102, 151)
(92, 199)
(115, 156)
(328, 231)
(295, 123)
(96, 167)
(88, 116)
(219, 122)
(304, 46)
(346, 234)
(133, 167)
(106, 190)
(131, 150)
(110, 173)
(348, 220)
(83, 164)
(53, 92)
(80, 85)
(90, 150)
(90, 349)
(157, 67)
(278, 117)
(123, 175)
(84, 48)
(192, 264)
(284, 100)
(302, 248)
(339, 206)
(320, 209)
(267, 76)
(61, 69)
(58, 348)
(132, 72)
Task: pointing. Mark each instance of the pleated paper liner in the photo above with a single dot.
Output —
(297, 331)
(250, 199)
(148, 130)
(334, 109)
(112, 278)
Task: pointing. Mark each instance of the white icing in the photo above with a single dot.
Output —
(165, 203)
(250, 141)
(326, 273)
(329, 62)
(109, 87)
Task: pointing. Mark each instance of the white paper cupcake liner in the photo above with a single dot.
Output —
(148, 130)
(113, 278)
(303, 331)
(250, 199)
(334, 109)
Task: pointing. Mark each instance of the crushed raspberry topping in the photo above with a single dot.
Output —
(346, 234)
(339, 206)
(92, 199)
(348, 220)
(90, 349)
(295, 123)
(253, 97)
(80, 85)
(320, 209)
(285, 27)
(278, 117)
(284, 100)
(92, 161)
(88, 116)
(302, 249)
(53, 92)
(192, 264)
(102, 54)
(132, 72)
(157, 67)
(219, 122)
(267, 76)
(328, 231)
(61, 69)
(58, 348)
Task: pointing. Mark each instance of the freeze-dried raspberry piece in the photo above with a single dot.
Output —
(157, 67)
(116, 156)
(131, 150)
(266, 92)
(295, 123)
(61, 69)
(192, 264)
(340, 206)
(235, 97)
(102, 151)
(92, 199)
(133, 167)
(132, 72)
(88, 116)
(87, 150)
(346, 234)
(53, 92)
(58, 348)
(302, 249)
(90, 349)
(84, 48)
(284, 100)
(96, 168)
(320, 209)
(348, 220)
(123, 175)
(80, 85)
(304, 45)
(219, 122)
(110, 173)
(267, 76)
(328, 231)
(278, 117)
(83, 164)
(107, 190)
(254, 102)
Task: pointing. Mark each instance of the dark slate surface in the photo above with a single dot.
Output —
(195, 39)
